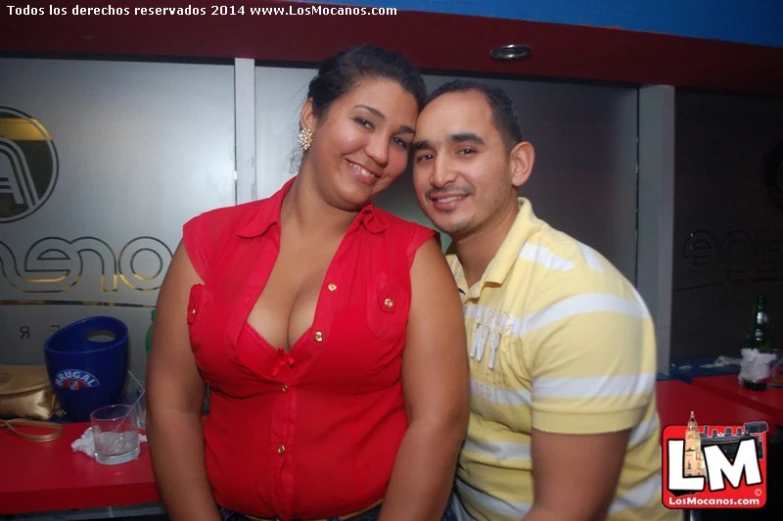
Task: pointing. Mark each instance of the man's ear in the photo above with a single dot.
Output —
(522, 157)
(307, 118)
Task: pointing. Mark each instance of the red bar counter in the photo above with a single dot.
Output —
(769, 401)
(41, 477)
(47, 477)
(676, 400)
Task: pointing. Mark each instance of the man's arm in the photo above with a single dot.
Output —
(436, 388)
(593, 380)
(586, 466)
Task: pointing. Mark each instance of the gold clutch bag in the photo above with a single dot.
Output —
(26, 392)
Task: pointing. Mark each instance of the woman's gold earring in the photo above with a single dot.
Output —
(305, 138)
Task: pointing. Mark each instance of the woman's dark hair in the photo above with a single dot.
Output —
(341, 72)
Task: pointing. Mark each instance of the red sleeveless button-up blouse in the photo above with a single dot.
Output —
(313, 432)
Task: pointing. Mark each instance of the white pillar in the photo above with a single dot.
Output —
(655, 228)
(245, 129)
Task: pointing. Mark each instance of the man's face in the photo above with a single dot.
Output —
(461, 168)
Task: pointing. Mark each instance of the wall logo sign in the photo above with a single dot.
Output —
(74, 379)
(28, 165)
(773, 177)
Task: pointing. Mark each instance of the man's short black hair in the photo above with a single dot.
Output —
(503, 114)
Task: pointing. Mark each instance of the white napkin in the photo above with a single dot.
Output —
(755, 365)
(86, 443)
(723, 361)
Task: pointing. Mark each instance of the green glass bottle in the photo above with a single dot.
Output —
(757, 349)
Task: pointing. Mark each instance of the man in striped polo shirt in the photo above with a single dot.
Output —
(562, 348)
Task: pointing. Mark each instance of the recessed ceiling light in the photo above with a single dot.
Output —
(511, 52)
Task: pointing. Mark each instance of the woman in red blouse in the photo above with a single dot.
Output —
(329, 332)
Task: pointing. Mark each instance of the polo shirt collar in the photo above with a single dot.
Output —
(524, 225)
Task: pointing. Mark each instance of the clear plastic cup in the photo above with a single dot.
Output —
(115, 430)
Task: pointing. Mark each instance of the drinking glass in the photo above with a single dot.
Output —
(115, 430)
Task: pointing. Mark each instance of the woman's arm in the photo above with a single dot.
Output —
(436, 388)
(175, 397)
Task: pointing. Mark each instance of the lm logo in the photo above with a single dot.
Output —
(719, 466)
(74, 379)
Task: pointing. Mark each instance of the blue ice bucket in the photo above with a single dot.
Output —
(87, 363)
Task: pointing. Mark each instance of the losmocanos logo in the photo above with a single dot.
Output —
(74, 379)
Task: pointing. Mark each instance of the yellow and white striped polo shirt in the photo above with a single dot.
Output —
(559, 341)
